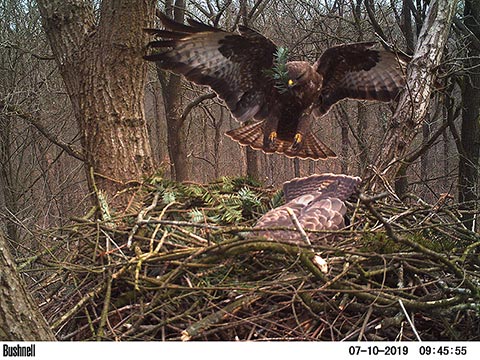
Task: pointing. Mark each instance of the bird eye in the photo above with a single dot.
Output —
(290, 82)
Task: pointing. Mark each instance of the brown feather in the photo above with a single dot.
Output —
(231, 64)
(252, 135)
(337, 185)
(358, 71)
(318, 204)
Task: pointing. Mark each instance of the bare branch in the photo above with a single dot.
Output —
(195, 103)
(475, 41)
(32, 120)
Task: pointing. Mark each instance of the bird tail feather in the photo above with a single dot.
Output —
(249, 135)
(252, 135)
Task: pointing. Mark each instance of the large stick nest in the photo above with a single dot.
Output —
(181, 267)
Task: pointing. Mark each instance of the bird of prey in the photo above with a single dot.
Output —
(252, 75)
(318, 202)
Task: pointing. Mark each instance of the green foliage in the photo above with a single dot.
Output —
(433, 240)
(279, 71)
(226, 201)
(168, 197)
(378, 242)
(277, 200)
(196, 215)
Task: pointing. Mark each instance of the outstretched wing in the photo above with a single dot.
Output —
(317, 201)
(359, 71)
(233, 64)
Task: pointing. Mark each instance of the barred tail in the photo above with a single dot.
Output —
(252, 135)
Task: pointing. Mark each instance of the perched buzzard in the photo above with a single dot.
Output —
(317, 201)
(253, 77)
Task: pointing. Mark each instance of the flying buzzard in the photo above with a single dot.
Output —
(317, 201)
(252, 75)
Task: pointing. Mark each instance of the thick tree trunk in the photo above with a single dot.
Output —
(470, 135)
(20, 319)
(414, 101)
(104, 74)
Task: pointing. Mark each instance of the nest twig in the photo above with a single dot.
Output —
(397, 271)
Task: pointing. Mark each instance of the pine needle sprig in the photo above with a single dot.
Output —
(279, 71)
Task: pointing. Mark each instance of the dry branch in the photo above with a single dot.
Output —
(201, 279)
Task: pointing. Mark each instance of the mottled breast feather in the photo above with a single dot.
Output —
(318, 202)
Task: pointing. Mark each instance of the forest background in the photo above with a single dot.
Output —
(84, 118)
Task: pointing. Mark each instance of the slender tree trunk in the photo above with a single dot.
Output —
(362, 124)
(470, 133)
(345, 146)
(20, 319)
(296, 167)
(176, 136)
(363, 157)
(414, 101)
(445, 149)
(407, 27)
(424, 159)
(8, 180)
(104, 73)
(253, 169)
(172, 97)
(217, 141)
(343, 120)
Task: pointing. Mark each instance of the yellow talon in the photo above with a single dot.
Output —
(298, 138)
(273, 136)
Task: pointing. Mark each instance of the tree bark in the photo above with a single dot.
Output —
(415, 99)
(104, 73)
(470, 133)
(20, 319)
